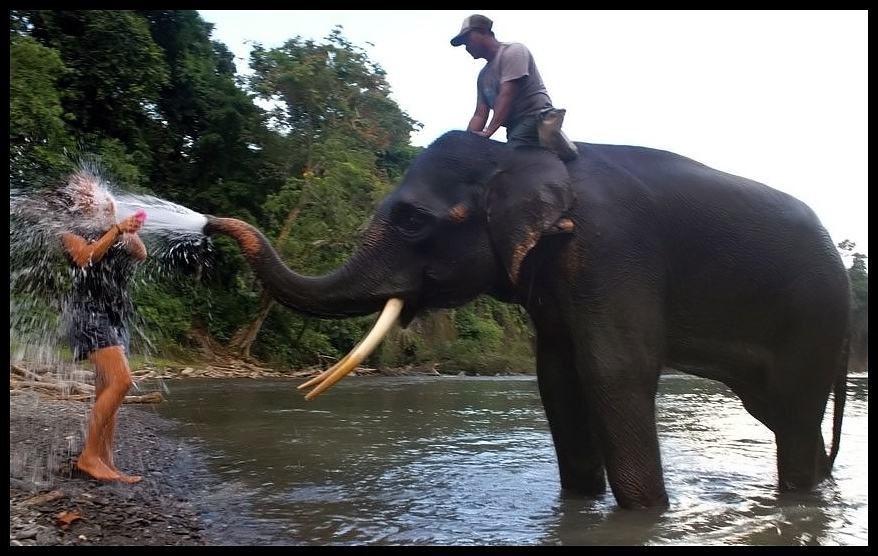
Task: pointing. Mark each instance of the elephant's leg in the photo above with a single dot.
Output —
(801, 454)
(790, 401)
(563, 396)
(629, 440)
(619, 366)
(801, 458)
(804, 371)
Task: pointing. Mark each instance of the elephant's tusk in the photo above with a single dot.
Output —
(320, 378)
(382, 326)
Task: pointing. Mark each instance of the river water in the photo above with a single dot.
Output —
(469, 461)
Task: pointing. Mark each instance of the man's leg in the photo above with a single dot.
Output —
(111, 384)
(550, 134)
(523, 132)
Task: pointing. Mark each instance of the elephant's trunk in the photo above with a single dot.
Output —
(334, 295)
(338, 294)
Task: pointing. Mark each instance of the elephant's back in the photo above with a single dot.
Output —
(684, 196)
(706, 225)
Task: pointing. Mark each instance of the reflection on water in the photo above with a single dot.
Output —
(469, 461)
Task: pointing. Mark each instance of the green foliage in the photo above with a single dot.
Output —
(492, 337)
(485, 337)
(859, 279)
(164, 317)
(37, 133)
(404, 347)
(327, 87)
(478, 330)
(159, 105)
(114, 75)
(35, 110)
(858, 275)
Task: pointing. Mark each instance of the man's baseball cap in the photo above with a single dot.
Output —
(474, 21)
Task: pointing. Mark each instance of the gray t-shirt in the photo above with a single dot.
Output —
(514, 61)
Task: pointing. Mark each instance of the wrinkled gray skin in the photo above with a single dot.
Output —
(671, 264)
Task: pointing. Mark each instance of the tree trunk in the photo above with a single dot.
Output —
(243, 338)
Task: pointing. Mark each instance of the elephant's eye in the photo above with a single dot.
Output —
(411, 221)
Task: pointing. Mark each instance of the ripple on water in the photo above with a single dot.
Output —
(450, 471)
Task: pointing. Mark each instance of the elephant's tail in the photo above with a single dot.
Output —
(841, 394)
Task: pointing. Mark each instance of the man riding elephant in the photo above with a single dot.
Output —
(510, 84)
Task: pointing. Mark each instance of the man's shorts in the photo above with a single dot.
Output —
(523, 132)
(93, 330)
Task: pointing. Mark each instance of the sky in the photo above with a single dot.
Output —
(779, 97)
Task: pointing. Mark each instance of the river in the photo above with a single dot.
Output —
(469, 461)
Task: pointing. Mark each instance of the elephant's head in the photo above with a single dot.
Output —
(461, 222)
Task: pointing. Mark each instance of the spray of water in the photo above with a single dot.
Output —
(41, 277)
(87, 203)
(168, 220)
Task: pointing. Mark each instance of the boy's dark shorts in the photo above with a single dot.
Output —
(91, 331)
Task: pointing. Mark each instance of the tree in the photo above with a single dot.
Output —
(858, 275)
(333, 105)
(115, 74)
(37, 133)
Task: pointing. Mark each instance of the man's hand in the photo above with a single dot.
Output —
(134, 245)
(482, 133)
(130, 225)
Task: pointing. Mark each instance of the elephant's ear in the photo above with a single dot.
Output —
(528, 197)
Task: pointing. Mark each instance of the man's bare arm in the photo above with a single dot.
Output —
(84, 253)
(135, 246)
(479, 119)
(502, 106)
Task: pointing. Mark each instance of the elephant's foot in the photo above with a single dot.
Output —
(800, 479)
(590, 484)
(643, 500)
(802, 462)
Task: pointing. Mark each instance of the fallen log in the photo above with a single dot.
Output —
(152, 397)
(25, 373)
(64, 386)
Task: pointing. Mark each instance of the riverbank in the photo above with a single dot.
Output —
(51, 504)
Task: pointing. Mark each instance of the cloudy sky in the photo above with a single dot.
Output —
(776, 96)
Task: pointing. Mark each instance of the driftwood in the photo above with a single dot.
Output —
(152, 397)
(50, 384)
(22, 372)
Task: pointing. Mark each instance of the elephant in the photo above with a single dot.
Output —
(629, 261)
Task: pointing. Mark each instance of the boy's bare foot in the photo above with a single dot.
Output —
(123, 478)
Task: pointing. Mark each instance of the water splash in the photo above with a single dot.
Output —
(41, 280)
(86, 202)
(163, 218)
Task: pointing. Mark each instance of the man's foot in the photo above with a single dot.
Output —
(129, 479)
(551, 136)
(97, 469)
